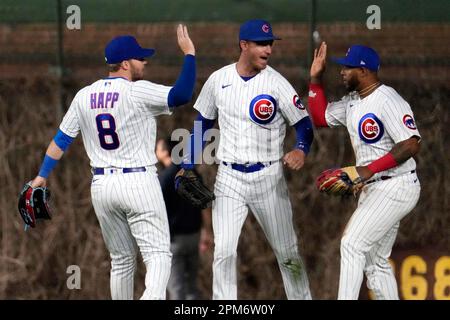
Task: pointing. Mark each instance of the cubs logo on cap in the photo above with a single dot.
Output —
(370, 128)
(263, 109)
(298, 103)
(256, 30)
(409, 122)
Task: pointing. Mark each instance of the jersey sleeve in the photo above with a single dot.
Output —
(336, 113)
(153, 97)
(399, 120)
(289, 102)
(206, 101)
(70, 124)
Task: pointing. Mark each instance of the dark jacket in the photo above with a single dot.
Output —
(183, 218)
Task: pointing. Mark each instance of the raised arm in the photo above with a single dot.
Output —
(317, 100)
(182, 91)
(184, 41)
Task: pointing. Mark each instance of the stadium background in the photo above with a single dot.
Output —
(41, 69)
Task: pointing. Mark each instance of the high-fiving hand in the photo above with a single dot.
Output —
(185, 43)
(319, 63)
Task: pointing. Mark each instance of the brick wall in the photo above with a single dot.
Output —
(408, 51)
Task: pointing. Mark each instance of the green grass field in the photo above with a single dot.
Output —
(19, 11)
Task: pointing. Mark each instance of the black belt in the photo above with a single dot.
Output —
(113, 170)
(387, 177)
(247, 168)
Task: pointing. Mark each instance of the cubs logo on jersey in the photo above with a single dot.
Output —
(409, 122)
(370, 128)
(298, 103)
(263, 109)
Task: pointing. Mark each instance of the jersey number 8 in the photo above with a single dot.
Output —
(106, 127)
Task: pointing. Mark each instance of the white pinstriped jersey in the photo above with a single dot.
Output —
(252, 114)
(375, 123)
(116, 118)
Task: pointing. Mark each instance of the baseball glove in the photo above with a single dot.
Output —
(190, 187)
(340, 182)
(33, 204)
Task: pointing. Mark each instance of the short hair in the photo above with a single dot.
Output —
(114, 67)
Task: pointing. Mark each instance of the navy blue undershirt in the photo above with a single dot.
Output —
(182, 91)
(304, 134)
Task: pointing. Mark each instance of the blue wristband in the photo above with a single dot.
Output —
(305, 135)
(47, 166)
(62, 140)
(302, 146)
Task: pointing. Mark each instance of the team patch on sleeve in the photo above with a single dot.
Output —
(263, 109)
(298, 103)
(408, 121)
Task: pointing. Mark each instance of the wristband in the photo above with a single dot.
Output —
(47, 166)
(384, 163)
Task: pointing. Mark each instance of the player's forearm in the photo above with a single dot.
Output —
(401, 152)
(304, 134)
(316, 80)
(54, 152)
(182, 91)
(404, 150)
(52, 155)
(317, 102)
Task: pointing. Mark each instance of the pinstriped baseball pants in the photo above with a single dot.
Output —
(265, 193)
(370, 234)
(132, 215)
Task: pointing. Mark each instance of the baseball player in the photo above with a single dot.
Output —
(385, 138)
(116, 117)
(253, 104)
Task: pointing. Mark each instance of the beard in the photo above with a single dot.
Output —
(135, 76)
(352, 84)
(136, 73)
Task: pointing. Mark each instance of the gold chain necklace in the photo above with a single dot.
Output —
(366, 90)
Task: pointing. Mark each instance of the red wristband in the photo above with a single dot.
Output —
(384, 163)
(317, 104)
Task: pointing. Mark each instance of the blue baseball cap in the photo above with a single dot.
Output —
(360, 56)
(124, 48)
(256, 30)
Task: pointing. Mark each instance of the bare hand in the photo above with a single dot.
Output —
(294, 159)
(319, 63)
(39, 182)
(185, 43)
(206, 240)
(364, 173)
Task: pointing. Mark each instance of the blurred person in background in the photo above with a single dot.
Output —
(190, 230)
